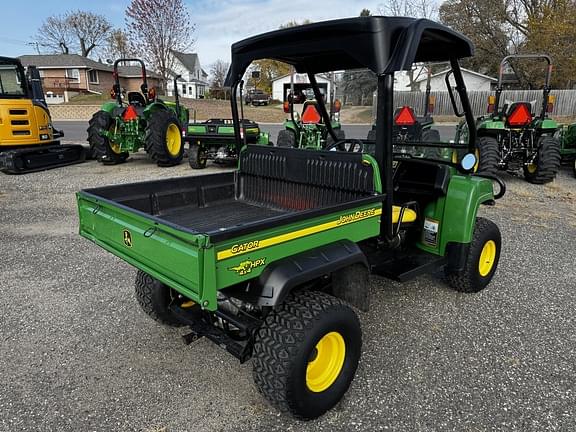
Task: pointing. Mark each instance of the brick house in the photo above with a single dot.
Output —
(68, 75)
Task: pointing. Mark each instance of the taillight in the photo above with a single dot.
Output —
(521, 116)
(405, 117)
(286, 107)
(431, 104)
(112, 94)
(550, 103)
(337, 106)
(491, 104)
(152, 93)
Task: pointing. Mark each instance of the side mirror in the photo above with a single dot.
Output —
(468, 162)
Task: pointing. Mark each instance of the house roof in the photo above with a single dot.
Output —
(189, 61)
(66, 61)
(464, 71)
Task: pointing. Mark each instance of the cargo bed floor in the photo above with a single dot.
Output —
(219, 215)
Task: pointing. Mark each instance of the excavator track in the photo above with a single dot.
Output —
(28, 160)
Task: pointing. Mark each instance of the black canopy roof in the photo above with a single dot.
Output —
(381, 44)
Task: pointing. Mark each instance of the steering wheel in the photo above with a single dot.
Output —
(356, 145)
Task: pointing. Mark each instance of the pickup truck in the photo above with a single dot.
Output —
(256, 98)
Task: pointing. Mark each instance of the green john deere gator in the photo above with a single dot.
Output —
(143, 121)
(268, 261)
(308, 129)
(511, 137)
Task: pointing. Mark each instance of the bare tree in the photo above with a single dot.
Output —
(158, 27)
(117, 45)
(54, 35)
(218, 71)
(412, 8)
(90, 30)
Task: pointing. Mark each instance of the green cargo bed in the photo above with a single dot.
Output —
(199, 234)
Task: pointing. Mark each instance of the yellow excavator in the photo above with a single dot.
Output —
(28, 140)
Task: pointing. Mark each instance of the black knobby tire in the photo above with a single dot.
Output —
(432, 136)
(340, 134)
(547, 162)
(100, 145)
(155, 140)
(470, 279)
(285, 343)
(197, 158)
(488, 156)
(286, 138)
(154, 298)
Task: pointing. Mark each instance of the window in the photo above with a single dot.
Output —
(93, 76)
(73, 75)
(183, 88)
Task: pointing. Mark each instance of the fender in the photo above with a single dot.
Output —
(279, 278)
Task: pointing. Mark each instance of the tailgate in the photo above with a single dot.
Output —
(172, 256)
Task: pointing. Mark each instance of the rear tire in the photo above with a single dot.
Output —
(154, 298)
(100, 146)
(306, 354)
(547, 162)
(482, 259)
(286, 138)
(163, 140)
(197, 158)
(488, 156)
(432, 136)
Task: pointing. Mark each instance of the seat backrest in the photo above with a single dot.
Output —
(136, 98)
(299, 179)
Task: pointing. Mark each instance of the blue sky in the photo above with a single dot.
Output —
(219, 23)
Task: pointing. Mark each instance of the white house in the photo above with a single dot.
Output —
(402, 78)
(473, 81)
(281, 85)
(193, 83)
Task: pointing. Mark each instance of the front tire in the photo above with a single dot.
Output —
(482, 260)
(163, 139)
(306, 354)
(197, 158)
(155, 298)
(488, 156)
(101, 148)
(547, 162)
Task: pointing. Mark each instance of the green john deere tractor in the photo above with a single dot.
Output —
(269, 260)
(308, 129)
(143, 121)
(567, 136)
(511, 137)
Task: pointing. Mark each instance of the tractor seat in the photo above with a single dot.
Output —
(408, 217)
(136, 99)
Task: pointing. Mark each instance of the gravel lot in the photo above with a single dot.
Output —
(78, 354)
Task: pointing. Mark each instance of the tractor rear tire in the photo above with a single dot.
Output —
(154, 298)
(488, 156)
(432, 136)
(100, 146)
(482, 260)
(163, 140)
(306, 354)
(197, 158)
(340, 134)
(286, 138)
(547, 162)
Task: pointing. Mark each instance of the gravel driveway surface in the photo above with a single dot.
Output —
(76, 352)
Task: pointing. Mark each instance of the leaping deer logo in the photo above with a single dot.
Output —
(246, 267)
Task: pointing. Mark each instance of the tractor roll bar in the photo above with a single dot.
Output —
(547, 80)
(144, 86)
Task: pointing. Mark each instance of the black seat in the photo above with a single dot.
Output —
(136, 99)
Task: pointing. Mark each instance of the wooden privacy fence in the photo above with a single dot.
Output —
(565, 104)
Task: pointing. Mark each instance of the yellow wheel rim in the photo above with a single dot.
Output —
(173, 140)
(454, 157)
(477, 164)
(326, 362)
(115, 147)
(531, 168)
(487, 258)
